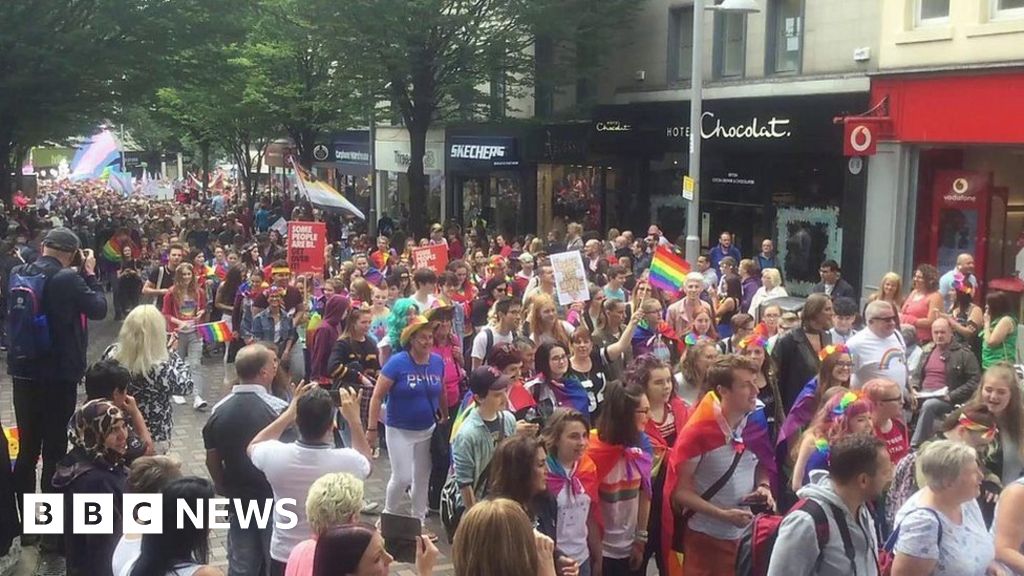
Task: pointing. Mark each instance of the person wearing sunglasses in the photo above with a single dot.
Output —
(879, 351)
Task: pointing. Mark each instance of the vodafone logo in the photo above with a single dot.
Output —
(861, 138)
(960, 185)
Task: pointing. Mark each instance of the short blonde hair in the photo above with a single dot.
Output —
(333, 500)
(940, 462)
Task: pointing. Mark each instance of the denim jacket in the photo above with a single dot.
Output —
(263, 328)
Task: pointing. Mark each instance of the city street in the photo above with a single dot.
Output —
(188, 447)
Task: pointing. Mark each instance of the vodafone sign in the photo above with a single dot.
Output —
(859, 139)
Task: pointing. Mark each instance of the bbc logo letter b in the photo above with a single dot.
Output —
(43, 513)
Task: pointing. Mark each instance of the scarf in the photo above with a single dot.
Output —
(93, 422)
(582, 479)
(638, 460)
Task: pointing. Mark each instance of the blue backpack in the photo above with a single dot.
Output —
(27, 325)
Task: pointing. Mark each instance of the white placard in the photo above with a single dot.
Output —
(570, 277)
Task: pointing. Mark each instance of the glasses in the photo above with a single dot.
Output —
(658, 311)
(844, 364)
(885, 319)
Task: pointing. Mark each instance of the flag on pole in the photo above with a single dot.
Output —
(215, 332)
(668, 270)
(321, 194)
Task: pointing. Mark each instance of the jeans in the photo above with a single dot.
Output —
(933, 409)
(190, 348)
(42, 410)
(248, 550)
(409, 453)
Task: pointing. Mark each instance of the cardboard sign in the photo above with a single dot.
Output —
(434, 257)
(306, 244)
(570, 277)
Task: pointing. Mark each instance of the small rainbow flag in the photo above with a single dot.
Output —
(112, 250)
(668, 270)
(215, 331)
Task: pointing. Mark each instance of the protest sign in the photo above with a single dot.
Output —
(570, 277)
(433, 257)
(306, 244)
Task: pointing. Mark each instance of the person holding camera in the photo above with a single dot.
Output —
(46, 378)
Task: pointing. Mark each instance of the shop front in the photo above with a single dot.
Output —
(948, 173)
(491, 177)
(392, 158)
(771, 168)
(345, 160)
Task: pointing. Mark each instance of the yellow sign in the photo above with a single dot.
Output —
(688, 188)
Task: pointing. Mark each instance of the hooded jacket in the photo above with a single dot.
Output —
(324, 337)
(77, 473)
(792, 554)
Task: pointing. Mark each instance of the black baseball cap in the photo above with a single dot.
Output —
(62, 239)
(486, 379)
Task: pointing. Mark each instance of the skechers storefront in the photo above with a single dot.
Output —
(490, 175)
(771, 168)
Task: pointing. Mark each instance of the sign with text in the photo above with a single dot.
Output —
(306, 244)
(433, 257)
(570, 277)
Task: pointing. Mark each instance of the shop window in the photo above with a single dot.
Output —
(785, 40)
(576, 195)
(680, 45)
(730, 45)
(1007, 9)
(931, 12)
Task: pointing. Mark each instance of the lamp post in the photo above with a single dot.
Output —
(697, 111)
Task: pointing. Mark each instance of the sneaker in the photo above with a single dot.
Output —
(369, 507)
(199, 404)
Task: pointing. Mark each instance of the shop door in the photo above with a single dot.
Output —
(749, 223)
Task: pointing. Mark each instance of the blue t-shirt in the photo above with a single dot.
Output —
(416, 392)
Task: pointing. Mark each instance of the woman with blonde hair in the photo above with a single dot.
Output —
(771, 287)
(1001, 392)
(157, 374)
(693, 370)
(544, 325)
(496, 538)
(185, 308)
(333, 500)
(890, 290)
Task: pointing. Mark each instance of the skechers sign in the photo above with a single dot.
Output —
(478, 150)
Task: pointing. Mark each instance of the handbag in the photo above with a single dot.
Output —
(452, 507)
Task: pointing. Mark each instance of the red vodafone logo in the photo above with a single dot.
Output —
(859, 139)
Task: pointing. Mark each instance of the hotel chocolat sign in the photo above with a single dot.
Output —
(711, 127)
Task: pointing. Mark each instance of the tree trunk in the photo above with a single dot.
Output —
(6, 192)
(417, 225)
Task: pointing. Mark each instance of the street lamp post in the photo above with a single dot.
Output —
(697, 111)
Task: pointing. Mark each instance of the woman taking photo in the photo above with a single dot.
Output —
(554, 386)
(544, 325)
(690, 380)
(572, 482)
(157, 374)
(358, 550)
(185, 308)
(622, 456)
(965, 318)
(412, 382)
(177, 550)
(836, 370)
(999, 336)
(842, 415)
(924, 303)
(590, 365)
(947, 505)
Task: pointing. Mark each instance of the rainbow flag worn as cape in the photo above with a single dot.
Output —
(582, 479)
(638, 459)
(668, 270)
(680, 414)
(707, 430)
(800, 415)
(112, 250)
(215, 331)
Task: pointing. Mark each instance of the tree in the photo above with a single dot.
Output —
(441, 58)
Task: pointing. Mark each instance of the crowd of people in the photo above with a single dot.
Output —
(717, 429)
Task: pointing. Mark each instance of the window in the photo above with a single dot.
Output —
(680, 45)
(930, 12)
(730, 44)
(1007, 8)
(785, 40)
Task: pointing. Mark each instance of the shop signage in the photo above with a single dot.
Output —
(306, 244)
(321, 152)
(357, 153)
(755, 128)
(960, 192)
(496, 151)
(859, 139)
(613, 126)
(403, 159)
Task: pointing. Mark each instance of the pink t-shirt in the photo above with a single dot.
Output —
(300, 561)
(452, 374)
(934, 376)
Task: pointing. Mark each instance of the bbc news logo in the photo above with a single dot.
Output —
(144, 513)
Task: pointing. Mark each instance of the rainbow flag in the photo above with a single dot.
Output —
(321, 194)
(215, 331)
(668, 270)
(112, 250)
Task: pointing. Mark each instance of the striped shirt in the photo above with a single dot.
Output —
(620, 501)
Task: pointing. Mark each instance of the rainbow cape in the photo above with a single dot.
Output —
(215, 331)
(112, 250)
(800, 415)
(668, 270)
(680, 414)
(639, 460)
(707, 430)
(582, 478)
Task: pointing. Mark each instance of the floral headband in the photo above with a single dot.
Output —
(692, 339)
(844, 403)
(987, 432)
(753, 340)
(962, 285)
(832, 349)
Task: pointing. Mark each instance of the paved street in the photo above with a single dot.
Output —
(187, 445)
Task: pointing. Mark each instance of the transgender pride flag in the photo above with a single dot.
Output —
(91, 158)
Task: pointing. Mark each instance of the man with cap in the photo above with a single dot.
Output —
(45, 388)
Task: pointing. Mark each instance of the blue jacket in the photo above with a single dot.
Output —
(263, 328)
(717, 253)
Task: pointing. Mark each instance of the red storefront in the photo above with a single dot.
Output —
(966, 131)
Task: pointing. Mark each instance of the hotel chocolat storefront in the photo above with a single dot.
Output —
(771, 168)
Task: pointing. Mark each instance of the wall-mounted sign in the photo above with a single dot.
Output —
(321, 152)
(481, 150)
(345, 152)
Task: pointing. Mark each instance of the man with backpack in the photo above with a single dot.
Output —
(48, 339)
(832, 515)
(508, 313)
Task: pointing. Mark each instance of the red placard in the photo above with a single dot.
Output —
(860, 138)
(306, 244)
(434, 257)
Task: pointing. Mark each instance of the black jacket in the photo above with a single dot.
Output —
(797, 363)
(68, 297)
(89, 554)
(962, 371)
(842, 289)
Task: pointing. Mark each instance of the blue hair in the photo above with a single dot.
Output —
(399, 319)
